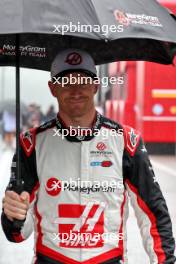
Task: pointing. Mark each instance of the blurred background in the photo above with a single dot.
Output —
(145, 101)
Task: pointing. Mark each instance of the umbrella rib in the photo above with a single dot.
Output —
(98, 20)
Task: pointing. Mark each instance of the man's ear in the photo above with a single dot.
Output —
(96, 88)
(53, 88)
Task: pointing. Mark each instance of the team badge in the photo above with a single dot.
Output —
(74, 58)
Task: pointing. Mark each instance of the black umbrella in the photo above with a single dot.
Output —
(109, 30)
(33, 32)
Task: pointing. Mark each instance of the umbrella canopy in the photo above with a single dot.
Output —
(109, 30)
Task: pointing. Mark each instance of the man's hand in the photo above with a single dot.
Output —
(15, 205)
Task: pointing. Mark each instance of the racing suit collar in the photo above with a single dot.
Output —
(82, 134)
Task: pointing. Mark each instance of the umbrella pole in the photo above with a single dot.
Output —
(18, 171)
(18, 188)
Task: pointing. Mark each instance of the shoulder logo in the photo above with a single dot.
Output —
(131, 138)
(28, 140)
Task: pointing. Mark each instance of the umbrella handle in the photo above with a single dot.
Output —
(18, 188)
(18, 223)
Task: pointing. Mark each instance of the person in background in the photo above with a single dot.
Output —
(50, 113)
(9, 130)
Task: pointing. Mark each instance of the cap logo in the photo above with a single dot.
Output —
(74, 58)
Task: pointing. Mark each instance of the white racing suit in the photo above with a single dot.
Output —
(79, 189)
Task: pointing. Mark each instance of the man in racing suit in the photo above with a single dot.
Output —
(79, 170)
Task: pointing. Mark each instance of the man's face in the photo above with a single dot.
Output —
(74, 99)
